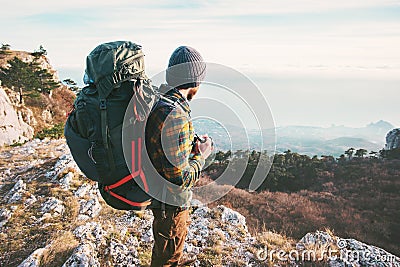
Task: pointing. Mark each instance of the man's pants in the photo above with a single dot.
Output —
(169, 236)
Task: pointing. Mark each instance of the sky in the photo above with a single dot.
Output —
(317, 63)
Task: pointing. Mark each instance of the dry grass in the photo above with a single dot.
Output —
(60, 249)
(144, 256)
(357, 200)
(24, 233)
(59, 104)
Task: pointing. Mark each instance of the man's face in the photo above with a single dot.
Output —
(192, 93)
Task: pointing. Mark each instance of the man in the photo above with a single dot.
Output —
(175, 155)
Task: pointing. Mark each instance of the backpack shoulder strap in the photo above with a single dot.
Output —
(164, 101)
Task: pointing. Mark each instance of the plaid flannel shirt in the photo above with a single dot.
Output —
(169, 137)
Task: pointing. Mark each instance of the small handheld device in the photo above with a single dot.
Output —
(201, 140)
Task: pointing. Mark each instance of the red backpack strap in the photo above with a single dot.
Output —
(136, 173)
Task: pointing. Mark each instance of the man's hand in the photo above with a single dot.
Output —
(205, 148)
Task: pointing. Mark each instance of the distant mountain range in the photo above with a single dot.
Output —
(307, 140)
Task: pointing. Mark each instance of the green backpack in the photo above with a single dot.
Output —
(118, 99)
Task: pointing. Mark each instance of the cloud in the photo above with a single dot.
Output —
(57, 20)
(255, 36)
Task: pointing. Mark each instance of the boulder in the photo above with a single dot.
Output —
(12, 126)
(346, 252)
(5, 215)
(16, 193)
(34, 259)
(83, 256)
(53, 206)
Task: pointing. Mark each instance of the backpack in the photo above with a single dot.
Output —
(113, 108)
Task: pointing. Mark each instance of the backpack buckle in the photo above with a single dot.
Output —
(103, 104)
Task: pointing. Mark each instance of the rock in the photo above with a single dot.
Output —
(352, 252)
(6, 172)
(47, 116)
(28, 117)
(142, 220)
(91, 232)
(12, 127)
(317, 239)
(202, 211)
(84, 255)
(29, 201)
(190, 248)
(54, 206)
(83, 190)
(66, 180)
(34, 259)
(64, 164)
(91, 208)
(393, 139)
(16, 193)
(218, 236)
(195, 203)
(124, 255)
(232, 217)
(219, 227)
(5, 215)
(199, 230)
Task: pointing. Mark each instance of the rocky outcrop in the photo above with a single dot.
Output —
(21, 120)
(393, 139)
(15, 194)
(340, 252)
(53, 206)
(5, 215)
(52, 196)
(34, 259)
(12, 126)
(43, 61)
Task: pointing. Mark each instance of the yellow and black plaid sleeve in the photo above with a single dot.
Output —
(173, 138)
(176, 140)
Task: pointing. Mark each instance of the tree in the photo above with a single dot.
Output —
(71, 84)
(327, 158)
(373, 155)
(239, 153)
(17, 76)
(382, 154)
(360, 153)
(46, 81)
(254, 157)
(40, 52)
(5, 49)
(27, 77)
(349, 152)
(219, 156)
(390, 154)
(342, 158)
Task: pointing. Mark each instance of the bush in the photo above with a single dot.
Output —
(55, 132)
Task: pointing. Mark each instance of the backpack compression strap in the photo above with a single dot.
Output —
(135, 173)
(104, 132)
(127, 201)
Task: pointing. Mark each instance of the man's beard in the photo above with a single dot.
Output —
(191, 94)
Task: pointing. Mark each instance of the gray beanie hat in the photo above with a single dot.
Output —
(186, 68)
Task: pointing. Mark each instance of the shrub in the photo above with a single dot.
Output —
(55, 132)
